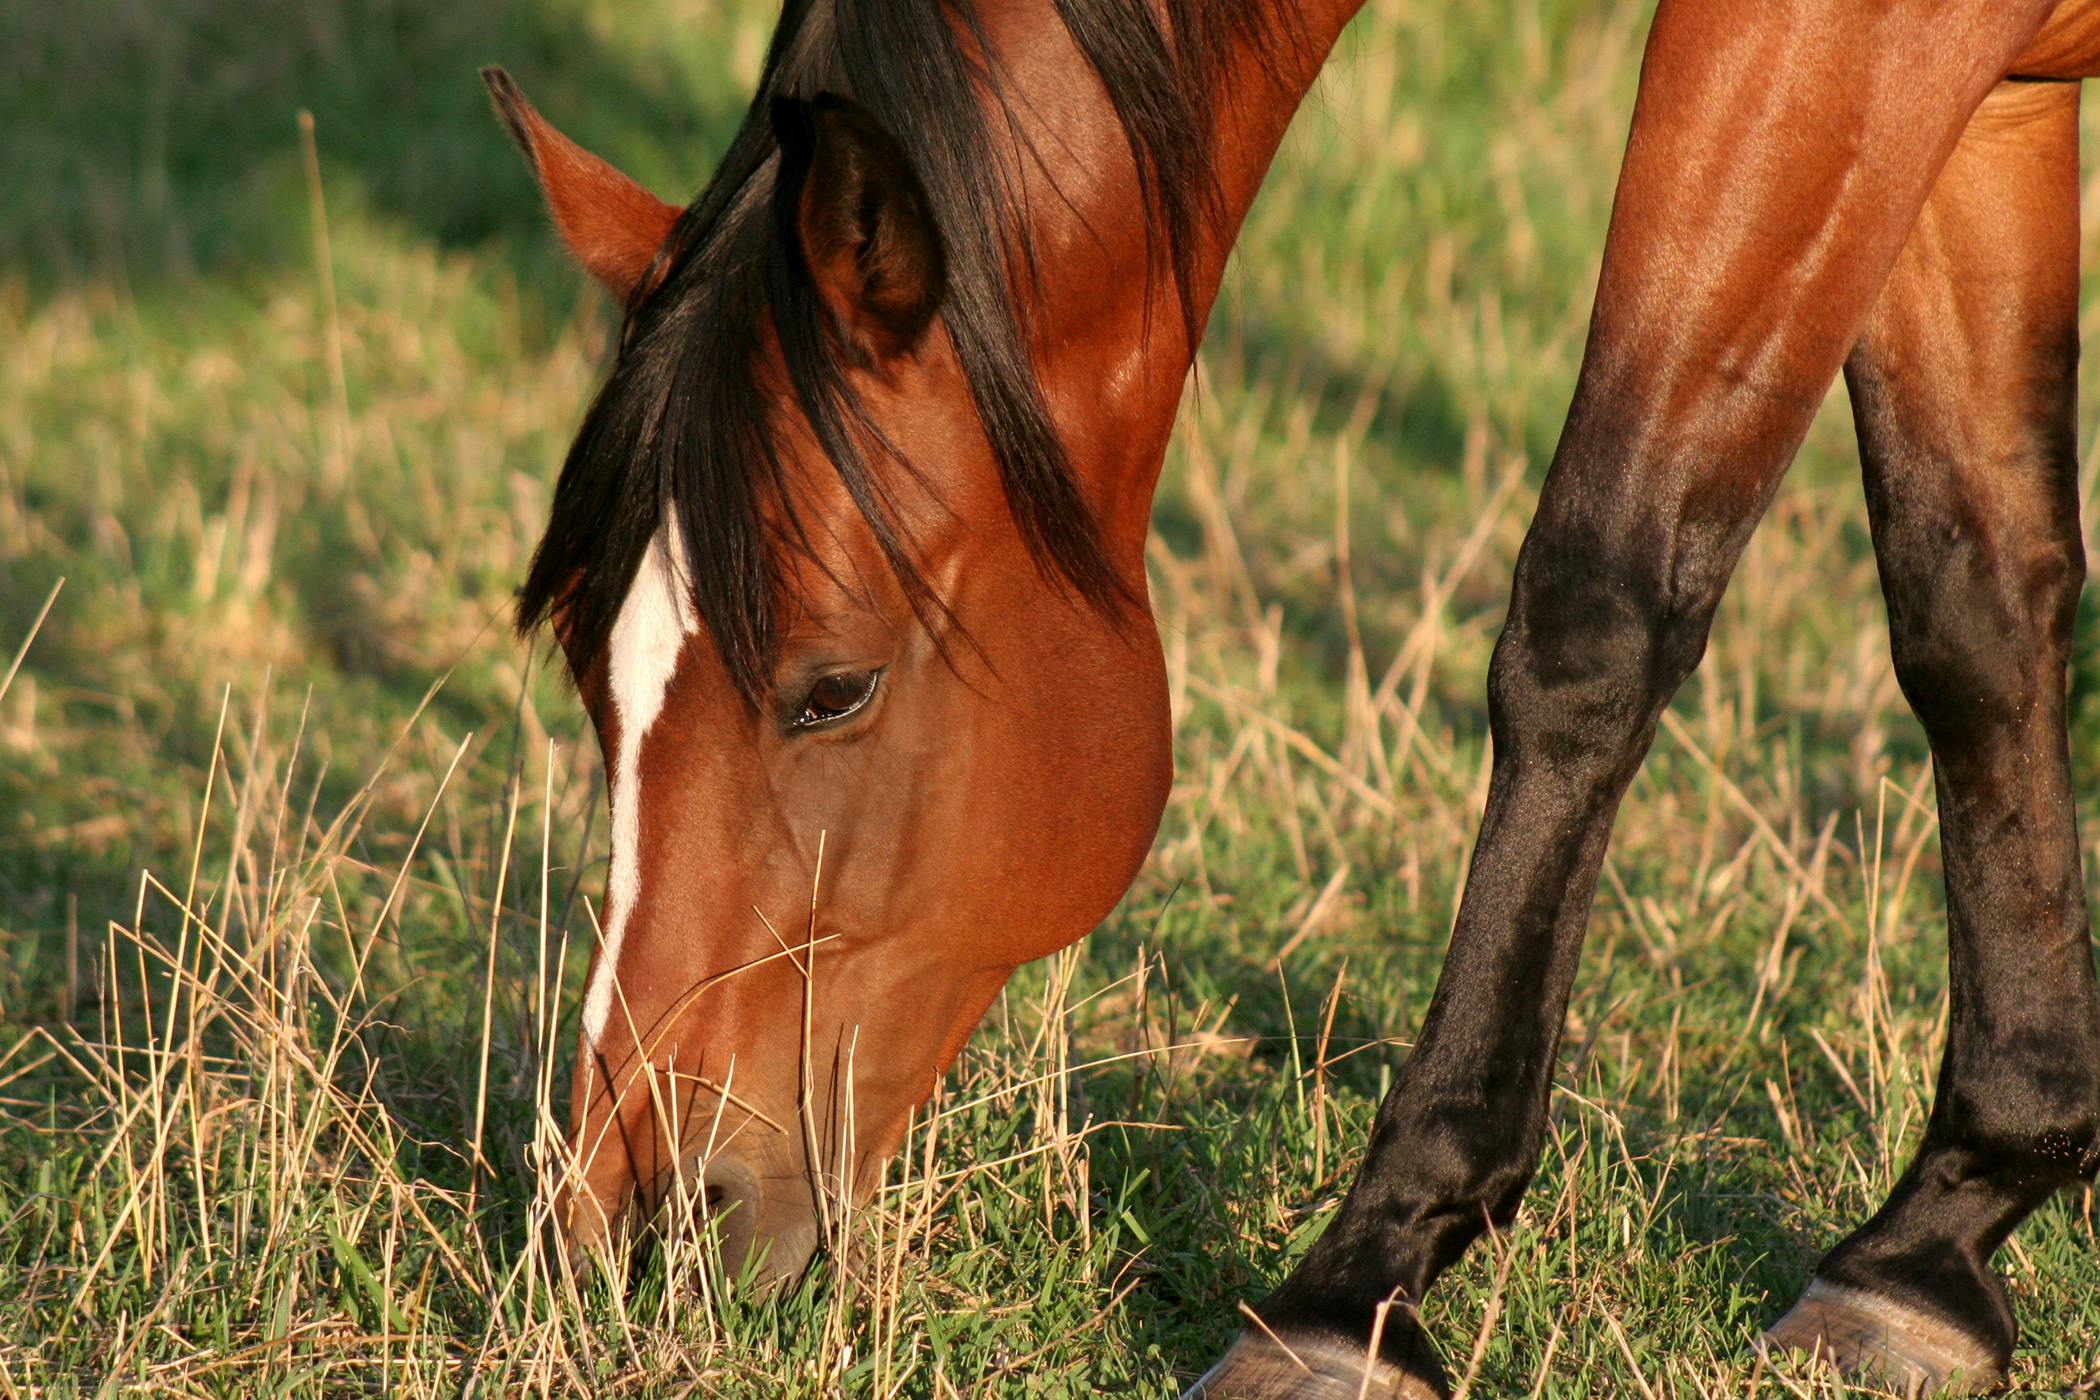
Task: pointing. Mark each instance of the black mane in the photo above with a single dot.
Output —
(681, 423)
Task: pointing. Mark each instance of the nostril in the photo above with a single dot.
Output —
(729, 1195)
(765, 1241)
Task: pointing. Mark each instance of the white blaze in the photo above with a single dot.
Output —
(654, 621)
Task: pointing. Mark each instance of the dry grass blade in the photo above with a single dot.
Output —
(35, 627)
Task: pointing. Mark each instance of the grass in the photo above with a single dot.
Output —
(295, 838)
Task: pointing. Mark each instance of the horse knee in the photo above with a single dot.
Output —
(1980, 627)
(1601, 633)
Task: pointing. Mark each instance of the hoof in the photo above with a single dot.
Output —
(1300, 1367)
(1870, 1337)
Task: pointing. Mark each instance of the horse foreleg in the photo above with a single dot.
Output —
(1963, 386)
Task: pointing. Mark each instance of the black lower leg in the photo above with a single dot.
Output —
(1609, 614)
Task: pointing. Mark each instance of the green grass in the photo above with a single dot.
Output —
(249, 907)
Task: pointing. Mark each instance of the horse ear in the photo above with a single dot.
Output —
(855, 208)
(610, 224)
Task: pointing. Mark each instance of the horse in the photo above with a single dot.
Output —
(846, 563)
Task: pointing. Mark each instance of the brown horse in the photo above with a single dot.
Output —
(847, 564)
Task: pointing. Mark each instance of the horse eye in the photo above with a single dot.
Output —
(836, 696)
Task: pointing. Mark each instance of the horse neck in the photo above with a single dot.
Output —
(1252, 121)
(1108, 321)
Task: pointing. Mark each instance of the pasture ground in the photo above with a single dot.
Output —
(295, 837)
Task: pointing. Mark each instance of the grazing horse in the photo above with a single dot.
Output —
(847, 564)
